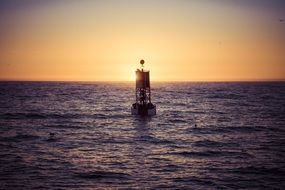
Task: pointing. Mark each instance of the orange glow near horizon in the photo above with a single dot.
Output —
(105, 40)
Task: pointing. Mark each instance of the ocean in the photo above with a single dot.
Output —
(76, 135)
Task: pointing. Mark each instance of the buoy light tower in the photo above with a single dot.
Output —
(143, 105)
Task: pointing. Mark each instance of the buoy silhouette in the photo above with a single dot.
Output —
(143, 105)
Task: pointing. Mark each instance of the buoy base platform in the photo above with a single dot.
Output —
(143, 109)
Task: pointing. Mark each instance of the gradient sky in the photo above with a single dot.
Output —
(180, 40)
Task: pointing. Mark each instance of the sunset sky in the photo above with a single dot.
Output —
(180, 40)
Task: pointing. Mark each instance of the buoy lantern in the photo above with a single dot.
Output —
(143, 105)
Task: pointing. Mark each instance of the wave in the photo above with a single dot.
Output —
(22, 116)
(16, 116)
(209, 154)
(19, 137)
(230, 96)
(209, 143)
(153, 140)
(103, 175)
(220, 130)
(260, 170)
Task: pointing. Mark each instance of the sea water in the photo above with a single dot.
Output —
(74, 135)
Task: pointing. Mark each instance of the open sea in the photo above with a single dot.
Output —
(75, 135)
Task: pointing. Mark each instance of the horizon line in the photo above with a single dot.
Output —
(155, 81)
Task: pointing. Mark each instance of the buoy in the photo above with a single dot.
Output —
(143, 105)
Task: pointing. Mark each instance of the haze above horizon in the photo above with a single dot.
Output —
(198, 40)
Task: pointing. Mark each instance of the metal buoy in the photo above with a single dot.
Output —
(143, 105)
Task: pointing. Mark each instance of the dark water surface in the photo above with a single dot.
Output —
(82, 136)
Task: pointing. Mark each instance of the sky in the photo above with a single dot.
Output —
(180, 40)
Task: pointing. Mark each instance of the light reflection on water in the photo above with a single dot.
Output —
(205, 135)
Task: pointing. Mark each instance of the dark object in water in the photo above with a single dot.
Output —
(143, 105)
(51, 134)
(51, 137)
